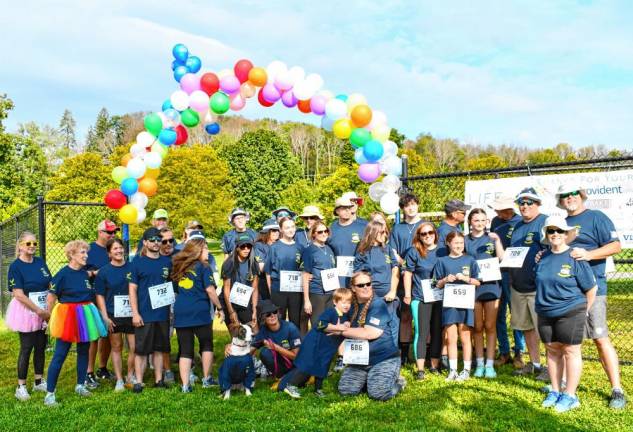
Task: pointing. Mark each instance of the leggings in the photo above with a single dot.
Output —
(186, 335)
(290, 303)
(31, 341)
(61, 352)
(380, 380)
(427, 318)
(299, 379)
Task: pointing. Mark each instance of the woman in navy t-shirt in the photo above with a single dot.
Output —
(374, 257)
(268, 236)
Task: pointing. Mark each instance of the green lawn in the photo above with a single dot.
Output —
(505, 404)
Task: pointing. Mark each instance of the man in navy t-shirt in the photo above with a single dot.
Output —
(238, 218)
(345, 234)
(455, 211)
(597, 240)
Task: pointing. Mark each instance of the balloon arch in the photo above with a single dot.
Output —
(202, 97)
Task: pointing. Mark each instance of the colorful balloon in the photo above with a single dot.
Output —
(190, 83)
(152, 160)
(304, 106)
(181, 135)
(209, 83)
(342, 128)
(193, 64)
(180, 72)
(359, 137)
(129, 186)
(199, 101)
(229, 84)
(288, 99)
(189, 118)
(139, 200)
(125, 159)
(257, 76)
(167, 136)
(179, 100)
(248, 90)
(115, 199)
(373, 150)
(368, 172)
(159, 148)
(153, 123)
(140, 215)
(359, 157)
(389, 203)
(119, 174)
(219, 103)
(128, 214)
(237, 102)
(361, 115)
(317, 104)
(381, 133)
(270, 93)
(148, 186)
(173, 116)
(335, 109)
(242, 69)
(152, 173)
(212, 129)
(166, 105)
(180, 52)
(263, 102)
(137, 149)
(354, 100)
(136, 168)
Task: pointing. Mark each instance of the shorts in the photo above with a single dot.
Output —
(458, 316)
(522, 313)
(596, 326)
(204, 333)
(567, 329)
(152, 337)
(122, 325)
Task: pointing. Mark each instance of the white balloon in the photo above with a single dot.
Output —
(225, 72)
(389, 203)
(140, 215)
(391, 165)
(153, 160)
(302, 90)
(136, 167)
(377, 118)
(392, 183)
(199, 101)
(137, 150)
(315, 82)
(354, 100)
(284, 81)
(274, 69)
(390, 148)
(326, 94)
(297, 74)
(145, 139)
(376, 191)
(335, 109)
(179, 100)
(139, 200)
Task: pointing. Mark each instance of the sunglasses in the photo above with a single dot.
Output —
(154, 239)
(29, 243)
(245, 246)
(555, 230)
(363, 285)
(109, 232)
(528, 202)
(567, 195)
(269, 314)
(427, 233)
(167, 241)
(322, 231)
(310, 217)
(283, 214)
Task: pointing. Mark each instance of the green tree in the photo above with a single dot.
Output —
(49, 140)
(83, 177)
(397, 137)
(67, 126)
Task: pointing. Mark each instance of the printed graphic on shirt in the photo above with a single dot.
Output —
(529, 238)
(355, 237)
(490, 248)
(44, 272)
(186, 282)
(565, 271)
(466, 270)
(374, 321)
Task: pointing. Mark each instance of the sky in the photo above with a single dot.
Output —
(526, 73)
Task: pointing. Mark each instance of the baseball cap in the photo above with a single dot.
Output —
(529, 193)
(107, 225)
(243, 239)
(455, 205)
(197, 234)
(194, 224)
(160, 214)
(150, 233)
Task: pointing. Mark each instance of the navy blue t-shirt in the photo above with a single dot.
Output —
(421, 268)
(97, 257)
(402, 235)
(287, 336)
(561, 283)
(317, 348)
(228, 239)
(378, 316)
(282, 256)
(444, 230)
(464, 264)
(344, 240)
(112, 281)
(595, 230)
(377, 261)
(526, 235)
(72, 286)
(147, 272)
(192, 306)
(29, 277)
(504, 228)
(302, 237)
(314, 259)
(481, 248)
(246, 272)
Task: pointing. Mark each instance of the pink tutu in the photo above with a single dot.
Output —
(22, 319)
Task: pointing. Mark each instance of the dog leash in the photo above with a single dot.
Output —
(287, 362)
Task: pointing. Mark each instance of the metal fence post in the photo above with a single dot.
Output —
(405, 173)
(41, 223)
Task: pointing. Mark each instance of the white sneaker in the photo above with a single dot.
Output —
(463, 375)
(41, 387)
(248, 392)
(227, 395)
(119, 386)
(21, 393)
(82, 390)
(452, 376)
(192, 378)
(49, 399)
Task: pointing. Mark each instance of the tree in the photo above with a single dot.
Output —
(83, 177)
(397, 137)
(49, 140)
(107, 133)
(67, 130)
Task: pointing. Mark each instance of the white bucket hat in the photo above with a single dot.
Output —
(567, 188)
(558, 222)
(502, 203)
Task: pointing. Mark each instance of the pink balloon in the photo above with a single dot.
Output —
(190, 83)
(317, 104)
(229, 84)
(289, 99)
(199, 101)
(369, 172)
(237, 102)
(270, 93)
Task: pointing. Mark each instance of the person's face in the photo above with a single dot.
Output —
(528, 208)
(344, 213)
(505, 214)
(167, 243)
(410, 209)
(572, 201)
(153, 244)
(116, 252)
(427, 235)
(28, 245)
(103, 236)
(353, 209)
(362, 288)
(459, 215)
(289, 229)
(159, 223)
(457, 245)
(239, 222)
(321, 233)
(271, 319)
(556, 236)
(310, 221)
(382, 236)
(244, 250)
(343, 305)
(204, 253)
(274, 235)
(478, 222)
(80, 256)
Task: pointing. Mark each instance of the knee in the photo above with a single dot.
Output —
(491, 327)
(379, 393)
(479, 327)
(266, 356)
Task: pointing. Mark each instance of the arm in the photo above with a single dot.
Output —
(290, 354)
(226, 291)
(50, 301)
(269, 284)
(498, 245)
(137, 319)
(601, 253)
(395, 278)
(104, 313)
(255, 299)
(407, 278)
(367, 333)
(591, 297)
(307, 306)
(19, 295)
(215, 300)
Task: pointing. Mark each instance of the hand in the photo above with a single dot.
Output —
(307, 307)
(580, 254)
(110, 325)
(407, 300)
(493, 236)
(269, 344)
(347, 324)
(43, 314)
(538, 256)
(254, 326)
(233, 317)
(462, 277)
(451, 278)
(137, 320)
(220, 314)
(390, 296)
(227, 350)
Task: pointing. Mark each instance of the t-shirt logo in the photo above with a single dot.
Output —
(565, 271)
(297, 257)
(12, 283)
(578, 229)
(44, 272)
(355, 238)
(466, 270)
(285, 344)
(490, 248)
(88, 286)
(529, 238)
(510, 231)
(297, 342)
(165, 273)
(374, 321)
(128, 276)
(387, 259)
(185, 283)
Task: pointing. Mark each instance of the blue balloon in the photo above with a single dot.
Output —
(173, 115)
(180, 52)
(194, 64)
(167, 136)
(359, 157)
(373, 150)
(166, 105)
(179, 72)
(212, 128)
(342, 97)
(129, 186)
(176, 63)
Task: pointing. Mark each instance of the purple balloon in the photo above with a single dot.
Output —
(317, 104)
(288, 98)
(369, 172)
(229, 84)
(270, 93)
(190, 83)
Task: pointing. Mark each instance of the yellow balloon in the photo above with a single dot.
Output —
(354, 100)
(128, 214)
(152, 173)
(248, 90)
(342, 128)
(381, 133)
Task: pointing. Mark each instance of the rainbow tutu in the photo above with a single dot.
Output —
(77, 322)
(22, 319)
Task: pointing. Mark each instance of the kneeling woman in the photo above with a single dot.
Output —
(565, 291)
(74, 319)
(371, 321)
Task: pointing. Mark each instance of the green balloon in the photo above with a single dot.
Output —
(153, 124)
(189, 117)
(359, 137)
(119, 174)
(219, 103)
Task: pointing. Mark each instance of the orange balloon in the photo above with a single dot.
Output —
(125, 159)
(148, 186)
(257, 76)
(304, 106)
(152, 173)
(361, 115)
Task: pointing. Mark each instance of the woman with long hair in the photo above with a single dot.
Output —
(374, 257)
(268, 235)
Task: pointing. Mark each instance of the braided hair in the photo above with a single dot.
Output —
(363, 313)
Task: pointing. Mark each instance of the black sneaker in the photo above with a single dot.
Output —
(91, 381)
(618, 400)
(160, 384)
(339, 366)
(319, 393)
(434, 371)
(104, 374)
(137, 388)
(420, 375)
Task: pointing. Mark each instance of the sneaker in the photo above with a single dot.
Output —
(248, 392)
(319, 393)
(119, 386)
(463, 375)
(444, 363)
(49, 400)
(226, 395)
(82, 390)
(137, 388)
(479, 372)
(262, 372)
(527, 369)
(104, 374)
(186, 389)
(434, 371)
(168, 377)
(618, 400)
(566, 403)
(193, 378)
(420, 375)
(129, 382)
(518, 362)
(160, 384)
(293, 392)
(503, 359)
(551, 399)
(21, 393)
(543, 374)
(490, 373)
(41, 387)
(339, 365)
(209, 382)
(452, 376)
(402, 382)
(91, 381)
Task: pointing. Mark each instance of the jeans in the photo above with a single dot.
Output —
(502, 325)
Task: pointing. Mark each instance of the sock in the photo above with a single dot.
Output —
(38, 381)
(536, 365)
(490, 363)
(452, 363)
(480, 361)
(618, 389)
(467, 364)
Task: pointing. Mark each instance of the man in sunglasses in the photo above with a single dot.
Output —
(160, 219)
(238, 218)
(455, 211)
(596, 241)
(527, 234)
(356, 203)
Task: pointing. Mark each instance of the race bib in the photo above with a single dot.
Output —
(122, 308)
(459, 296)
(241, 294)
(345, 265)
(356, 352)
(329, 278)
(290, 281)
(39, 298)
(161, 295)
(489, 269)
(430, 294)
(514, 257)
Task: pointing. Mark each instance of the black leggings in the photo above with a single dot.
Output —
(204, 333)
(291, 303)
(299, 379)
(427, 318)
(29, 341)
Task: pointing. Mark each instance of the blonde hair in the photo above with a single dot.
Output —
(73, 246)
(22, 237)
(363, 314)
(342, 294)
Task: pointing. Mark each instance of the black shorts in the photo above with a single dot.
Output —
(567, 329)
(204, 333)
(152, 337)
(122, 325)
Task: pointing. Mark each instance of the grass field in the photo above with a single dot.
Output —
(505, 404)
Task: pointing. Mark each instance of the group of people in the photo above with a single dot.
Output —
(357, 293)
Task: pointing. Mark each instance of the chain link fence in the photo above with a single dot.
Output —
(435, 190)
